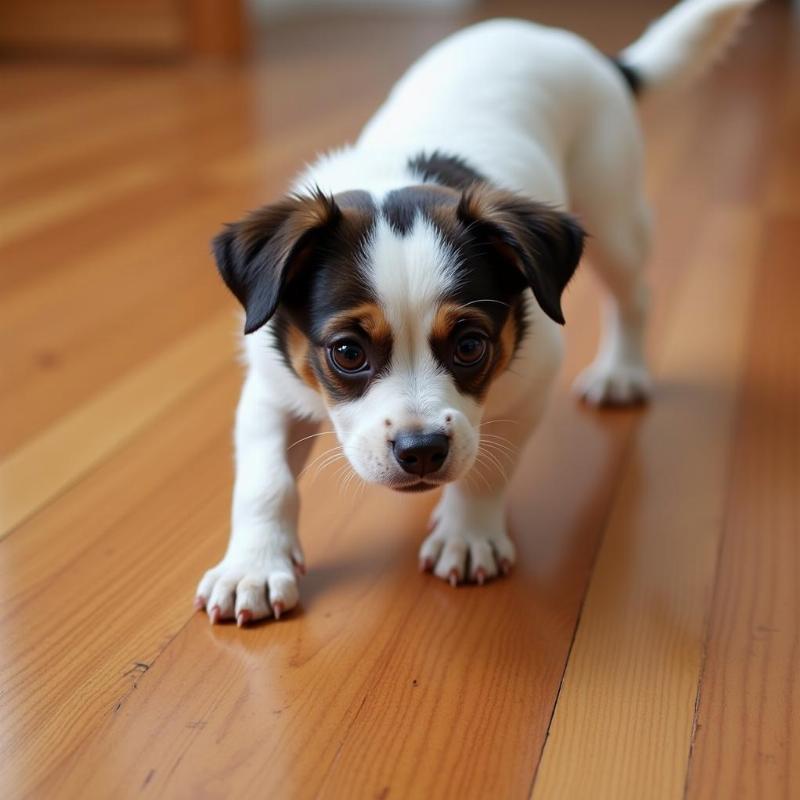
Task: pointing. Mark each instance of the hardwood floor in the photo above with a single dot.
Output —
(648, 643)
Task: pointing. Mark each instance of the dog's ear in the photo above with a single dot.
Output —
(258, 256)
(543, 244)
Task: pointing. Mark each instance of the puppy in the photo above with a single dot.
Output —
(409, 287)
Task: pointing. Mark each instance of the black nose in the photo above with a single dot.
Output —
(421, 453)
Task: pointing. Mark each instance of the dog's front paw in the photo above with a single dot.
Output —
(457, 553)
(615, 384)
(248, 590)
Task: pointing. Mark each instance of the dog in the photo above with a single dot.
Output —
(409, 286)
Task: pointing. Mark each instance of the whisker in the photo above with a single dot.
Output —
(333, 458)
(330, 462)
(325, 454)
(500, 450)
(494, 437)
(495, 462)
(320, 456)
(484, 300)
(310, 436)
(500, 447)
(342, 480)
(478, 472)
(510, 458)
(341, 473)
(354, 482)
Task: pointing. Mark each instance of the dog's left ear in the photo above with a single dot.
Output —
(260, 255)
(542, 243)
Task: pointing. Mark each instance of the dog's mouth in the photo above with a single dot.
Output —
(419, 486)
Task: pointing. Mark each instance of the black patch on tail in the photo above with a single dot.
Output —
(631, 77)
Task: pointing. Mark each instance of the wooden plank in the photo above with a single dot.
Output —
(110, 565)
(43, 467)
(747, 742)
(623, 722)
(64, 340)
(23, 218)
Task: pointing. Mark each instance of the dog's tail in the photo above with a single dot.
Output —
(681, 44)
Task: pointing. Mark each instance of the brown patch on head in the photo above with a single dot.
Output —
(449, 315)
(364, 325)
(507, 344)
(499, 331)
(288, 219)
(298, 355)
(368, 317)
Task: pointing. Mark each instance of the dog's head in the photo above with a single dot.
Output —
(400, 312)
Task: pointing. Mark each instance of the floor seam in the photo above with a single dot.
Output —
(579, 616)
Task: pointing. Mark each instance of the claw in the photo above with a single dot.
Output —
(426, 565)
(480, 576)
(453, 578)
(244, 616)
(505, 566)
(199, 602)
(299, 567)
(214, 615)
(277, 609)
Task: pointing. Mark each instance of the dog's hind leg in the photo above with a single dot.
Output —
(607, 194)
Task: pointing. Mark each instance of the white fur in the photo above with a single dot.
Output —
(686, 41)
(535, 110)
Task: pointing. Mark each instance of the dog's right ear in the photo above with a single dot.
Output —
(258, 256)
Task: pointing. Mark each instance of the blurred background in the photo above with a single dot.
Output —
(232, 28)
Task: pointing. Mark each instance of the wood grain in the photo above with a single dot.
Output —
(646, 645)
(747, 742)
(634, 665)
(82, 569)
(44, 466)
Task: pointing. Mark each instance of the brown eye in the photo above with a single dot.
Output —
(470, 350)
(348, 356)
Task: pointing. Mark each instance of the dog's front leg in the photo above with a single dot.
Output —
(469, 538)
(257, 578)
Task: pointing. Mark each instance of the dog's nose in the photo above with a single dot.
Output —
(421, 453)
